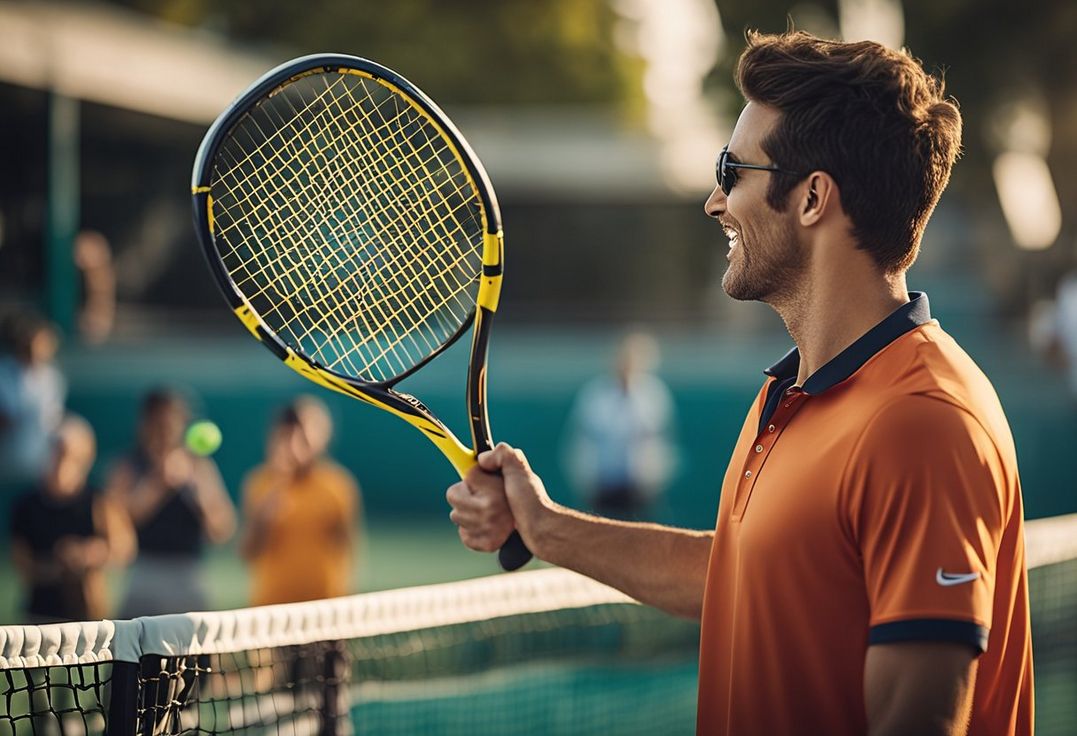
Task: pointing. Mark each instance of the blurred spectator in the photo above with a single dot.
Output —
(93, 258)
(1053, 329)
(63, 534)
(301, 511)
(177, 502)
(1066, 326)
(32, 393)
(620, 453)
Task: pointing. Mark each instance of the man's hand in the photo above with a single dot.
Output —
(77, 556)
(499, 495)
(656, 565)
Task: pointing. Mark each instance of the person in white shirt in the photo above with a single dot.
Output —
(32, 396)
(620, 452)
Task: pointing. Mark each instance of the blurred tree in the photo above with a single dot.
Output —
(564, 52)
(469, 51)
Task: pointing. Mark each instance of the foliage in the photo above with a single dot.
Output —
(469, 51)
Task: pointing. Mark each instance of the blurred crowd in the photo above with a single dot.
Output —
(162, 503)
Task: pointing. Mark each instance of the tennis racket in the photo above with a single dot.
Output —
(356, 235)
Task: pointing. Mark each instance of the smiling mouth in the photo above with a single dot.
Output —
(734, 237)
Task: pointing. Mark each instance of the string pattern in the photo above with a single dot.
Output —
(348, 224)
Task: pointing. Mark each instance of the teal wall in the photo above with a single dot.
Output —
(533, 377)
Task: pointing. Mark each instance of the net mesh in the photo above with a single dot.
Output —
(345, 219)
(541, 652)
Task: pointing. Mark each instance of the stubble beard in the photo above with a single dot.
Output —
(768, 268)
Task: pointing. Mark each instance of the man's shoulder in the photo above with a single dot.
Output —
(928, 362)
(335, 474)
(925, 427)
(257, 481)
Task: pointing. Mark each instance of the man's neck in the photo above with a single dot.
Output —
(837, 307)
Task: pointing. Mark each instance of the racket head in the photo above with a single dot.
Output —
(334, 159)
(238, 217)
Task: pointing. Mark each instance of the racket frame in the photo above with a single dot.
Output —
(381, 394)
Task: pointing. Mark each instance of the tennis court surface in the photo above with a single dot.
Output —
(539, 652)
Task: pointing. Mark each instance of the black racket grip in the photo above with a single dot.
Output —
(513, 554)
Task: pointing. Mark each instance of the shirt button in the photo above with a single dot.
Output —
(770, 428)
(747, 474)
(758, 448)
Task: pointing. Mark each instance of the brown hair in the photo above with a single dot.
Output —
(868, 116)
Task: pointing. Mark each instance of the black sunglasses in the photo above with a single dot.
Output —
(726, 171)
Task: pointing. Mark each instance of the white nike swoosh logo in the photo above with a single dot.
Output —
(954, 578)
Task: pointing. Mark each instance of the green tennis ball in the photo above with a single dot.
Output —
(203, 438)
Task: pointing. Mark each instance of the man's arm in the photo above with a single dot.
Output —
(657, 565)
(259, 513)
(919, 688)
(139, 497)
(114, 526)
(218, 514)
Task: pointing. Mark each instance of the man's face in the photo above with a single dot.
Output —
(162, 430)
(765, 258)
(72, 460)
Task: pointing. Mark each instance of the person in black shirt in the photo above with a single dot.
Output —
(177, 502)
(63, 534)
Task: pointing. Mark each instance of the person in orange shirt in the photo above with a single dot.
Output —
(866, 572)
(301, 510)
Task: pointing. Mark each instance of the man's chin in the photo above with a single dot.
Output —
(735, 287)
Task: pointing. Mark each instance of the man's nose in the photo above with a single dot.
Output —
(716, 203)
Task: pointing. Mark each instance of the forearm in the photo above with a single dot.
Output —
(96, 553)
(220, 521)
(658, 565)
(258, 529)
(252, 539)
(211, 499)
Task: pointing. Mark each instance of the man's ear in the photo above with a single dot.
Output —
(820, 192)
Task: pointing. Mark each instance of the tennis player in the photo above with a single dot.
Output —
(866, 573)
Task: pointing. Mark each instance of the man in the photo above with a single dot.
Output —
(866, 573)
(620, 453)
(177, 502)
(301, 511)
(32, 394)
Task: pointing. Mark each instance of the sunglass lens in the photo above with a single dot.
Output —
(727, 175)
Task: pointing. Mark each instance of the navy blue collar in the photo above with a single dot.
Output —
(847, 362)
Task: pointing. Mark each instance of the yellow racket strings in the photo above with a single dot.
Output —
(346, 220)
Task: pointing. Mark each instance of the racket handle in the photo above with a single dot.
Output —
(514, 554)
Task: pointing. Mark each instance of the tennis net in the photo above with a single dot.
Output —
(540, 652)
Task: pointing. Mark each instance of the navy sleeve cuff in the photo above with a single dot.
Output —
(931, 629)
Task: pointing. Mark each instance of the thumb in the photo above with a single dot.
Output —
(489, 461)
(504, 459)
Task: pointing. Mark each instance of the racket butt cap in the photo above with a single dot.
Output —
(513, 554)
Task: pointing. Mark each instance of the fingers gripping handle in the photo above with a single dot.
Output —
(513, 554)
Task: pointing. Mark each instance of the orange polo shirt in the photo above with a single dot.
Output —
(307, 553)
(878, 503)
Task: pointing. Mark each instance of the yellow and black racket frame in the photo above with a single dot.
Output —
(382, 394)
